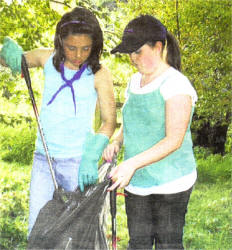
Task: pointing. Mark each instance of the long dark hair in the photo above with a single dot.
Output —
(84, 23)
(173, 52)
(173, 56)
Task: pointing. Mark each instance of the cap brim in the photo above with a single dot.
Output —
(126, 48)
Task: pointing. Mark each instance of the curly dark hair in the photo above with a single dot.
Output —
(87, 24)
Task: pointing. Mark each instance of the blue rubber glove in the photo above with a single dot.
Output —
(11, 52)
(88, 171)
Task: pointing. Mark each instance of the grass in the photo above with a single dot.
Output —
(208, 221)
(14, 191)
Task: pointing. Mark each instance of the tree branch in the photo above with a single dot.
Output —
(177, 20)
(65, 4)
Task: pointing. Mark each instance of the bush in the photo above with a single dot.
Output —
(214, 168)
(18, 143)
(201, 152)
(228, 144)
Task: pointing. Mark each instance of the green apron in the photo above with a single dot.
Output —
(143, 127)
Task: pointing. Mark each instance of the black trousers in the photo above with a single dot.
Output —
(156, 219)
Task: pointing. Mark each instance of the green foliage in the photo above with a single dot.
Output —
(214, 168)
(228, 144)
(17, 143)
(206, 46)
(14, 98)
(201, 152)
(31, 24)
(27, 17)
(14, 184)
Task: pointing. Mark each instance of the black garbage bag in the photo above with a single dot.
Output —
(72, 220)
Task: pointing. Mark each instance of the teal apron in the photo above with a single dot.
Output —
(143, 127)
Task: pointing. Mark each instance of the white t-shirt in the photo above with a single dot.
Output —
(175, 84)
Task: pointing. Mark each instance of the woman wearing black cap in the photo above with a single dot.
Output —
(159, 169)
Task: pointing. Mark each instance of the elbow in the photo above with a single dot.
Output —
(179, 142)
(178, 145)
(175, 143)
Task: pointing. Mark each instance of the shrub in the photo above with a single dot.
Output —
(18, 143)
(228, 144)
(214, 168)
(201, 152)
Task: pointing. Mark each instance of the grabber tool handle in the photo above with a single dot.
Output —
(26, 75)
(113, 211)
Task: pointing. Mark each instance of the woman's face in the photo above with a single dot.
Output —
(77, 49)
(146, 59)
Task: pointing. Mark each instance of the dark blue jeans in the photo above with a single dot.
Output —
(156, 219)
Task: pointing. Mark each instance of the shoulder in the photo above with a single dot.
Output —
(38, 57)
(102, 77)
(103, 71)
(176, 79)
(177, 83)
(134, 81)
(44, 54)
(136, 77)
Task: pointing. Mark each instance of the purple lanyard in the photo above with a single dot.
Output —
(69, 83)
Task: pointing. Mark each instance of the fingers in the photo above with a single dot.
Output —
(86, 180)
(109, 152)
(113, 173)
(114, 186)
(120, 182)
(81, 185)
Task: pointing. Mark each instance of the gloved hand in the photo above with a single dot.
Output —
(88, 170)
(11, 52)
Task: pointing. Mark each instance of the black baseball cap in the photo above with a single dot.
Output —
(139, 31)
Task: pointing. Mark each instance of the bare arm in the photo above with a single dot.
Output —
(104, 87)
(114, 147)
(118, 139)
(37, 57)
(34, 58)
(178, 111)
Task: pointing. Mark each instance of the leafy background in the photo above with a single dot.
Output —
(203, 29)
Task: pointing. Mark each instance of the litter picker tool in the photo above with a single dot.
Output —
(113, 211)
(27, 78)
